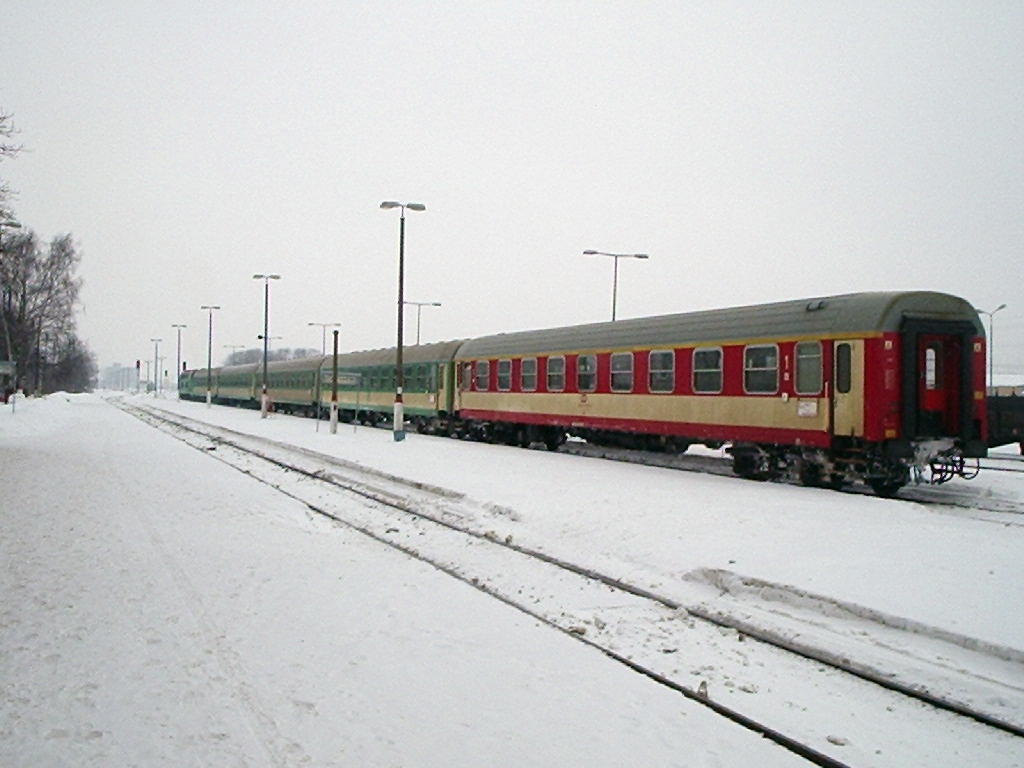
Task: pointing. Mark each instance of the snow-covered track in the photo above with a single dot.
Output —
(392, 492)
(1005, 457)
(959, 496)
(1003, 464)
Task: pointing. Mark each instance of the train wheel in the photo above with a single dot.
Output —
(553, 439)
(884, 487)
(745, 465)
(836, 481)
(811, 475)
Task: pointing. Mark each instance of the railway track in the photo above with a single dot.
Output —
(636, 626)
(957, 496)
(1006, 457)
(999, 463)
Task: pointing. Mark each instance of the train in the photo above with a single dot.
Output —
(869, 388)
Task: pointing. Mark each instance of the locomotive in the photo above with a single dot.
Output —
(863, 387)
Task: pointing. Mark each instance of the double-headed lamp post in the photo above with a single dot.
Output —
(419, 309)
(615, 273)
(209, 353)
(177, 371)
(991, 356)
(323, 335)
(265, 397)
(399, 415)
(156, 367)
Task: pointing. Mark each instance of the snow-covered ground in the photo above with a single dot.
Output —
(162, 608)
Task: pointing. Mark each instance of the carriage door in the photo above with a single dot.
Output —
(938, 384)
(848, 388)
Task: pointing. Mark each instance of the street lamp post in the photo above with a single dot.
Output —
(209, 353)
(419, 309)
(265, 397)
(615, 273)
(156, 366)
(323, 334)
(991, 345)
(399, 416)
(177, 371)
(323, 353)
(334, 387)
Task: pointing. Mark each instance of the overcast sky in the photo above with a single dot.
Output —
(757, 151)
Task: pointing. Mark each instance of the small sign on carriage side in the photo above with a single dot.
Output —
(345, 378)
(807, 408)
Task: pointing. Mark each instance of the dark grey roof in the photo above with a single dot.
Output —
(422, 353)
(229, 369)
(824, 316)
(296, 364)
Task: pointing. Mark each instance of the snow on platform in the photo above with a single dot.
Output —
(161, 608)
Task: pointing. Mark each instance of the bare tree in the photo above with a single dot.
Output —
(38, 296)
(39, 292)
(7, 149)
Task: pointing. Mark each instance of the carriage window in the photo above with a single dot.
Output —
(483, 374)
(707, 370)
(586, 373)
(808, 367)
(662, 376)
(556, 374)
(504, 375)
(467, 377)
(528, 375)
(761, 368)
(622, 372)
(844, 368)
(932, 375)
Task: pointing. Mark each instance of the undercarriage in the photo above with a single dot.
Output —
(875, 464)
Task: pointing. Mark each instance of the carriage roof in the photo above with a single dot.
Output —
(829, 316)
